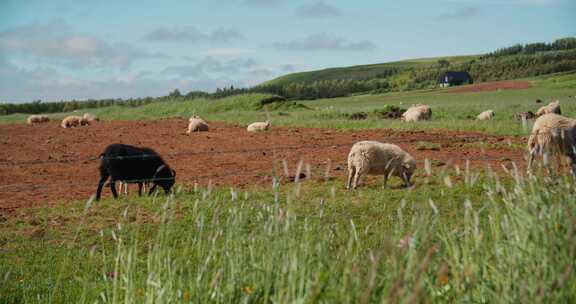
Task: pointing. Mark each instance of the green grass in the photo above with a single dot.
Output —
(455, 237)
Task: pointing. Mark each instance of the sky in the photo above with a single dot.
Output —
(73, 49)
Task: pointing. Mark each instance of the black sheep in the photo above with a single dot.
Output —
(131, 164)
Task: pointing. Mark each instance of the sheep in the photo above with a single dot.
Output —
(553, 107)
(259, 126)
(196, 124)
(553, 135)
(34, 119)
(486, 115)
(91, 117)
(74, 121)
(131, 164)
(416, 113)
(374, 158)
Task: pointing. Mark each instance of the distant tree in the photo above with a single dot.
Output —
(443, 63)
(175, 94)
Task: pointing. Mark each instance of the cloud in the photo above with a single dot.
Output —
(56, 43)
(461, 13)
(318, 10)
(227, 52)
(324, 41)
(288, 68)
(190, 34)
(210, 65)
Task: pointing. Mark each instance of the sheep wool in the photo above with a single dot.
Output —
(416, 113)
(259, 126)
(35, 119)
(553, 107)
(375, 158)
(486, 115)
(553, 135)
(74, 121)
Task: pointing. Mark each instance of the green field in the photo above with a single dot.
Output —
(457, 236)
(453, 111)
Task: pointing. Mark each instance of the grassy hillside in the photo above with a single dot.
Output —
(361, 72)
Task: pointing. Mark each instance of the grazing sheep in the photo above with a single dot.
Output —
(91, 117)
(553, 135)
(416, 113)
(372, 157)
(74, 121)
(553, 107)
(196, 124)
(486, 115)
(34, 119)
(259, 126)
(524, 115)
(131, 164)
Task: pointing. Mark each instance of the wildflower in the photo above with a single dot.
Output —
(248, 290)
(443, 279)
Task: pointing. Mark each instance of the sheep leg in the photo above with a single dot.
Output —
(351, 173)
(406, 180)
(385, 179)
(140, 189)
(152, 189)
(113, 188)
(101, 183)
(356, 179)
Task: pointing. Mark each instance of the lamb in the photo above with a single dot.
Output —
(553, 135)
(553, 107)
(486, 115)
(374, 158)
(416, 113)
(196, 124)
(91, 117)
(259, 126)
(131, 164)
(34, 119)
(74, 121)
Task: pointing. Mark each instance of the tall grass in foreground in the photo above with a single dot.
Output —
(516, 245)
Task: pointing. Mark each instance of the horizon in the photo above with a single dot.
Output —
(63, 50)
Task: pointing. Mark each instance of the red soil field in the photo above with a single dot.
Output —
(45, 164)
(492, 86)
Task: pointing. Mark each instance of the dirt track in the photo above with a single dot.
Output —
(492, 86)
(43, 164)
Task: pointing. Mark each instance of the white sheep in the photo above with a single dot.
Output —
(259, 126)
(416, 113)
(553, 135)
(34, 119)
(90, 117)
(375, 158)
(486, 115)
(553, 107)
(196, 124)
(74, 121)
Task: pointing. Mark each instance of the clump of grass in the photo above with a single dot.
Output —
(426, 145)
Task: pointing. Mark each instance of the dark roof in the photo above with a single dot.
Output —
(455, 76)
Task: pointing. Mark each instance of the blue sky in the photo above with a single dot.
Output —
(65, 49)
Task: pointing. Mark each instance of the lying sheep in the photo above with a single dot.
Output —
(259, 126)
(374, 158)
(553, 107)
(34, 119)
(486, 115)
(416, 113)
(196, 124)
(91, 117)
(553, 135)
(131, 164)
(74, 121)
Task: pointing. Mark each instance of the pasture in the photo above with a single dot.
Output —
(259, 218)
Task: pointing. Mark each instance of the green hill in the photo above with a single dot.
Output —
(362, 72)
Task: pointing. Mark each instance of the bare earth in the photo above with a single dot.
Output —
(492, 86)
(44, 164)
